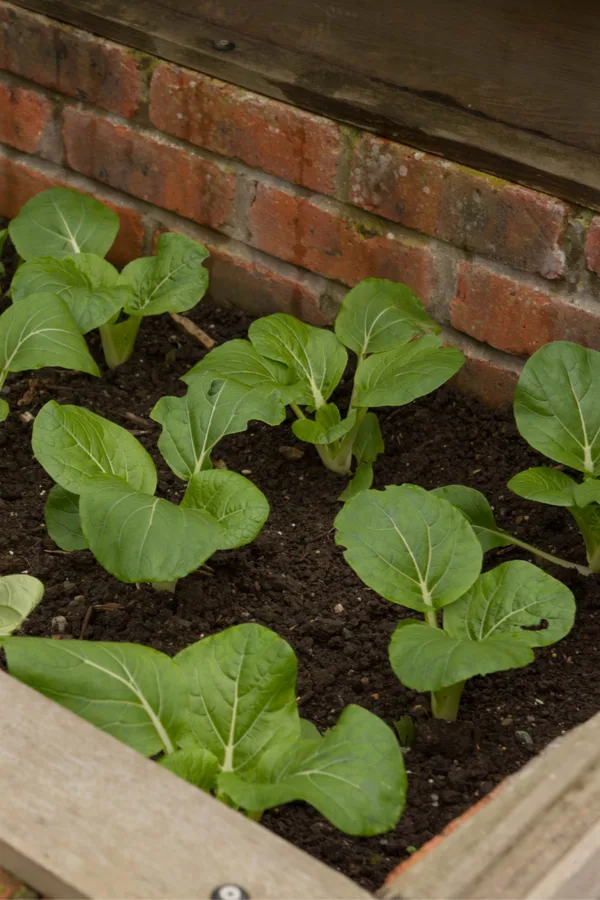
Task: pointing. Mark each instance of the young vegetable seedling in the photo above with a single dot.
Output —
(557, 410)
(415, 549)
(224, 716)
(379, 321)
(104, 498)
(40, 332)
(63, 236)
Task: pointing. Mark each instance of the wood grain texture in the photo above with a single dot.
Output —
(510, 92)
(538, 838)
(85, 816)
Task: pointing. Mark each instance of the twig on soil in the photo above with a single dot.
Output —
(193, 330)
(86, 622)
(139, 420)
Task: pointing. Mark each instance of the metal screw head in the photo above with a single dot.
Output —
(229, 892)
(224, 45)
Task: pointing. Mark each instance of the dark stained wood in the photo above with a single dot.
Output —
(510, 88)
(531, 64)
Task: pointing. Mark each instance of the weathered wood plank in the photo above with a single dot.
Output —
(538, 838)
(533, 67)
(333, 85)
(85, 816)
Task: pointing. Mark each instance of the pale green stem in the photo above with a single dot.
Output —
(255, 816)
(167, 586)
(296, 409)
(432, 619)
(566, 564)
(118, 340)
(445, 702)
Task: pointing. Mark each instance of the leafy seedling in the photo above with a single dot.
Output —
(416, 549)
(223, 715)
(19, 596)
(40, 332)
(63, 236)
(378, 321)
(105, 481)
(557, 410)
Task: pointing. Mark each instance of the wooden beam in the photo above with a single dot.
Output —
(82, 815)
(539, 837)
(322, 85)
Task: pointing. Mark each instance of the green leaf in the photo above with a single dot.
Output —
(492, 627)
(556, 405)
(194, 424)
(40, 331)
(354, 775)
(327, 426)
(19, 596)
(132, 692)
(478, 512)
(195, 765)
(315, 355)
(63, 522)
(171, 281)
(410, 546)
(379, 315)
(242, 694)
(587, 492)
(75, 446)
(544, 485)
(429, 659)
(399, 376)
(87, 283)
(239, 361)
(513, 598)
(362, 481)
(4, 410)
(238, 505)
(368, 443)
(60, 221)
(406, 730)
(140, 538)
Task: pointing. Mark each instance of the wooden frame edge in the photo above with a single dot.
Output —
(537, 837)
(83, 815)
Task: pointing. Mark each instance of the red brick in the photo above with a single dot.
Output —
(592, 245)
(469, 209)
(24, 115)
(264, 133)
(517, 317)
(487, 379)
(397, 182)
(259, 290)
(20, 181)
(240, 278)
(147, 167)
(70, 61)
(307, 234)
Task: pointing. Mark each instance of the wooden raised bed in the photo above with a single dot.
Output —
(88, 817)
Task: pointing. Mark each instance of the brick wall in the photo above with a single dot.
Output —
(293, 207)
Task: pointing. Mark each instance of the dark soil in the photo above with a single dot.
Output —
(294, 580)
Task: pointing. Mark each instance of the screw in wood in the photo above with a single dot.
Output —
(224, 45)
(229, 892)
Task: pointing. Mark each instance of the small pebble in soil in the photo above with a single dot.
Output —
(338, 608)
(523, 737)
(58, 625)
